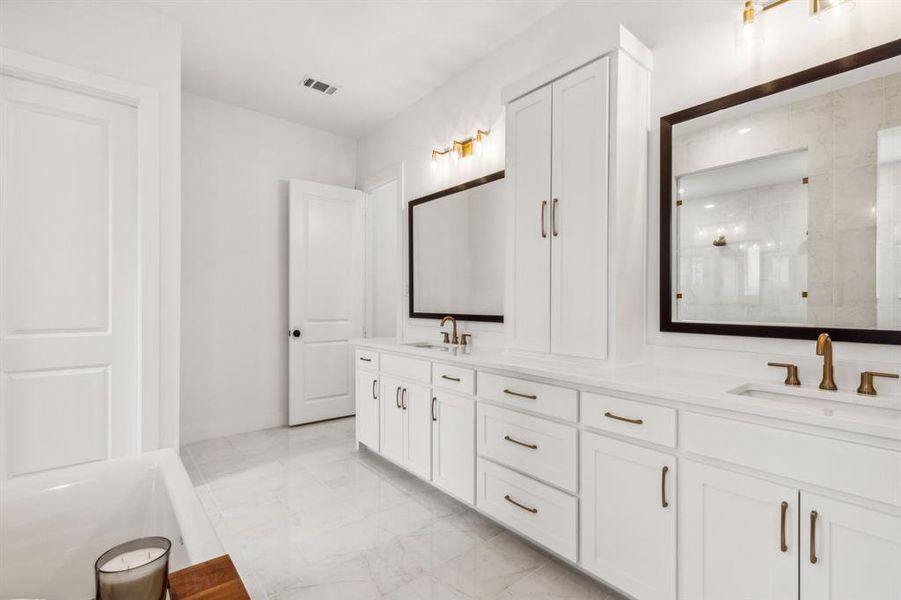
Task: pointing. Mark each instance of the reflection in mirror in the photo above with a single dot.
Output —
(788, 207)
(457, 252)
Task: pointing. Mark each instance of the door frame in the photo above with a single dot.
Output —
(145, 100)
(367, 185)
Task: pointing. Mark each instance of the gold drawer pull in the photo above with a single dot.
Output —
(610, 415)
(449, 378)
(522, 506)
(510, 439)
(813, 536)
(518, 395)
(364, 359)
(663, 473)
(782, 545)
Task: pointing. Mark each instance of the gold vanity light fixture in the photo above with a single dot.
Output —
(818, 8)
(464, 148)
(750, 26)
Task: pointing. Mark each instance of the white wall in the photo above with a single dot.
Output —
(236, 164)
(136, 44)
(694, 60)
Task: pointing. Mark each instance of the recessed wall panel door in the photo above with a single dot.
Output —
(578, 321)
(527, 297)
(325, 306)
(69, 237)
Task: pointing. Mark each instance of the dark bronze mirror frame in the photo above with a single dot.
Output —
(447, 192)
(871, 336)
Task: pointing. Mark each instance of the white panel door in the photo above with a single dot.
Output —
(454, 445)
(736, 541)
(69, 266)
(578, 316)
(325, 291)
(628, 517)
(367, 401)
(855, 552)
(391, 443)
(527, 297)
(416, 401)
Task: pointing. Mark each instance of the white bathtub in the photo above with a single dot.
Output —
(54, 525)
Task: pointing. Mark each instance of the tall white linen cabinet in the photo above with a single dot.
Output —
(576, 180)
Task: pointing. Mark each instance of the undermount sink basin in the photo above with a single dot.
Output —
(428, 345)
(813, 401)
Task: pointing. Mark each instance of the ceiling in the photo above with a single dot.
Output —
(382, 55)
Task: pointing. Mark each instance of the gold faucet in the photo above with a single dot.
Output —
(454, 338)
(824, 349)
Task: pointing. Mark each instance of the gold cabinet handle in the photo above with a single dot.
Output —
(610, 415)
(523, 444)
(364, 359)
(375, 384)
(791, 372)
(403, 398)
(518, 395)
(554, 217)
(449, 378)
(663, 473)
(813, 537)
(522, 506)
(434, 402)
(543, 211)
(782, 545)
(397, 397)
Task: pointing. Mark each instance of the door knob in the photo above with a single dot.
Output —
(296, 333)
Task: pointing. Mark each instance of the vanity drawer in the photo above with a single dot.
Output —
(408, 368)
(657, 423)
(865, 471)
(366, 359)
(453, 378)
(546, 515)
(544, 449)
(550, 400)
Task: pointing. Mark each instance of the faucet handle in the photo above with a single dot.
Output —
(446, 338)
(866, 382)
(791, 372)
(465, 338)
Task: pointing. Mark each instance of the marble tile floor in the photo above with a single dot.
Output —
(306, 515)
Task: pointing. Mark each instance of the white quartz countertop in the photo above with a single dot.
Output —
(843, 410)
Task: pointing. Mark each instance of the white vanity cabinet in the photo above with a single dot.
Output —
(628, 516)
(453, 444)
(406, 424)
(731, 530)
(557, 146)
(653, 495)
(368, 408)
(848, 551)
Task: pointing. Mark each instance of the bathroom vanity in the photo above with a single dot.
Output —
(660, 484)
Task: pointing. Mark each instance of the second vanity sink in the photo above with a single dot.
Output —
(429, 346)
(813, 401)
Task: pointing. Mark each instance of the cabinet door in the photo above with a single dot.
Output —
(392, 419)
(367, 420)
(628, 517)
(857, 551)
(417, 410)
(579, 213)
(731, 532)
(453, 445)
(528, 181)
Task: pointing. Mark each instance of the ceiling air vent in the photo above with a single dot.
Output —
(320, 86)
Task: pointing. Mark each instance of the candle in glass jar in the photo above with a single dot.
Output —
(136, 570)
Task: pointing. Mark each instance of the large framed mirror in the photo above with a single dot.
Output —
(780, 206)
(456, 252)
